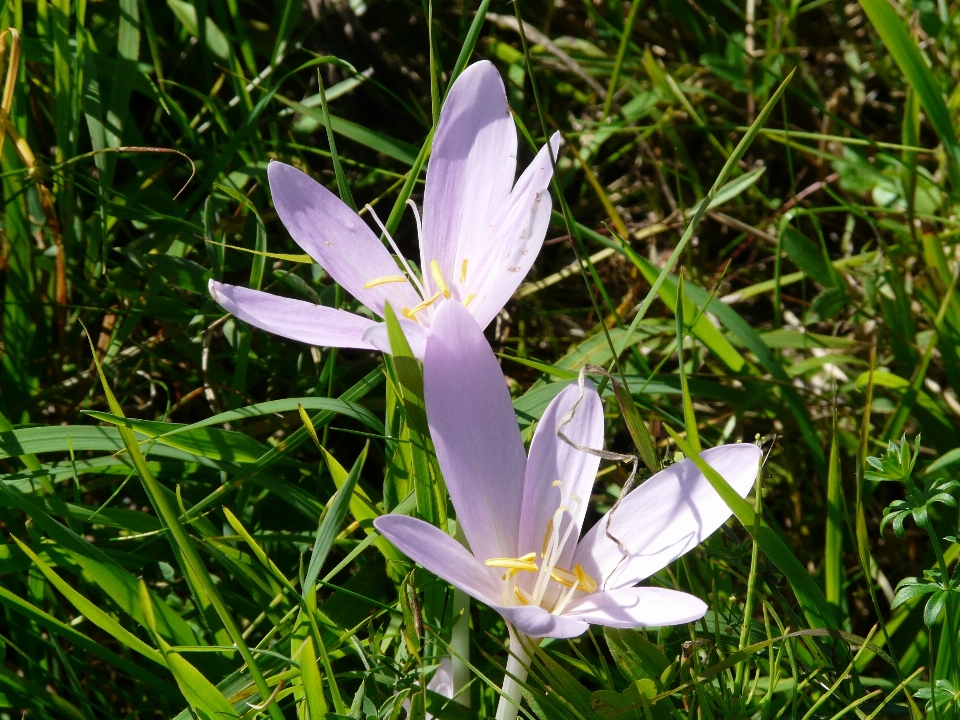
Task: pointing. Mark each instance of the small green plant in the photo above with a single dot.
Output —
(897, 465)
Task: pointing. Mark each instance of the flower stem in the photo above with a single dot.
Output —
(460, 646)
(516, 673)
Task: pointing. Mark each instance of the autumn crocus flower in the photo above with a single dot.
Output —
(479, 235)
(522, 515)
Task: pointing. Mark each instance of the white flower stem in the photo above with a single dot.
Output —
(460, 647)
(517, 666)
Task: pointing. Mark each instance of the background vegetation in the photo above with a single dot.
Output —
(819, 306)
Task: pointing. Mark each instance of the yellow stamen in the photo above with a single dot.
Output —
(585, 581)
(408, 314)
(564, 577)
(438, 278)
(556, 483)
(384, 280)
(425, 304)
(523, 596)
(546, 538)
(469, 299)
(463, 271)
(515, 564)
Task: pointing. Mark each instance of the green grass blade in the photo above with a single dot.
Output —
(182, 543)
(411, 384)
(114, 580)
(82, 642)
(725, 173)
(90, 610)
(312, 681)
(28, 459)
(330, 525)
(470, 41)
(833, 554)
(342, 185)
(689, 418)
(896, 38)
(199, 692)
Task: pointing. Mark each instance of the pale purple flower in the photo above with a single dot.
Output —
(479, 236)
(522, 516)
(441, 683)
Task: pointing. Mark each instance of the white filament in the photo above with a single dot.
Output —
(413, 278)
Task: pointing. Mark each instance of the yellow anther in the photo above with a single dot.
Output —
(438, 278)
(523, 596)
(469, 299)
(585, 581)
(564, 577)
(384, 280)
(529, 557)
(556, 483)
(463, 271)
(425, 304)
(408, 314)
(514, 564)
(546, 538)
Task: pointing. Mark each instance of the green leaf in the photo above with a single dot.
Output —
(907, 591)
(330, 406)
(410, 377)
(736, 186)
(83, 437)
(207, 442)
(362, 508)
(934, 606)
(389, 146)
(217, 42)
(637, 657)
(636, 427)
(807, 256)
(199, 692)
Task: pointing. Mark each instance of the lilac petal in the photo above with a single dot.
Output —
(637, 607)
(474, 431)
(471, 169)
(536, 622)
(668, 515)
(515, 240)
(441, 683)
(337, 238)
(442, 680)
(553, 459)
(415, 333)
(293, 319)
(440, 554)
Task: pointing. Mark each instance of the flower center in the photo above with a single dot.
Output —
(411, 277)
(573, 581)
